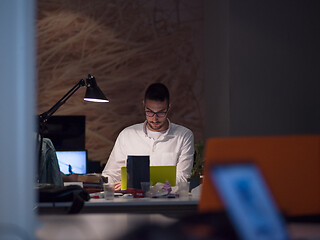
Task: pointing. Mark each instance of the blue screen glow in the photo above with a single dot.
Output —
(72, 161)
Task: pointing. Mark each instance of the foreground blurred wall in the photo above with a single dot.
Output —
(17, 119)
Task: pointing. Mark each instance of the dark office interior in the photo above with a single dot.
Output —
(245, 71)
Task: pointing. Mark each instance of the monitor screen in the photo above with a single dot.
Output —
(72, 161)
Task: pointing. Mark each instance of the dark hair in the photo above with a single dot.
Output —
(157, 92)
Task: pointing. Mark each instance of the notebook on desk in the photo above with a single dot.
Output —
(248, 202)
(157, 174)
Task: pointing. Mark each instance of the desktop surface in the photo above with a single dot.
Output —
(119, 225)
(169, 206)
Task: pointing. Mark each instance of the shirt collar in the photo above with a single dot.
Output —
(145, 128)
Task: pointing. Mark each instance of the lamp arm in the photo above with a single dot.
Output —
(46, 115)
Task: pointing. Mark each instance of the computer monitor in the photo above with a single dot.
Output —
(72, 161)
(67, 132)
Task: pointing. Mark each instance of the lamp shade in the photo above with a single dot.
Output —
(93, 93)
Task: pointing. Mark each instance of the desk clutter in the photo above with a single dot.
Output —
(130, 200)
(159, 190)
(92, 182)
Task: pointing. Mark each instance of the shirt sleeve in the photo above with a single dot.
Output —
(116, 160)
(185, 160)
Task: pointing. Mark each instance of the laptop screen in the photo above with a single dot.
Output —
(72, 161)
(157, 174)
(248, 202)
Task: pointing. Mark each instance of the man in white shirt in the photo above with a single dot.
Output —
(166, 143)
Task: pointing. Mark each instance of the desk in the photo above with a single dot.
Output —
(114, 226)
(94, 226)
(168, 206)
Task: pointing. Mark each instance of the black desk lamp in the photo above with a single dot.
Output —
(93, 94)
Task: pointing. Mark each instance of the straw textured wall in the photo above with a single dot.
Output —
(126, 45)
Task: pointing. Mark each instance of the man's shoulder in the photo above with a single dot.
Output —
(179, 129)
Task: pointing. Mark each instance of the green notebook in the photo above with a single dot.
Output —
(157, 174)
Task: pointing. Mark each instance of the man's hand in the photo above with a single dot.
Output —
(117, 186)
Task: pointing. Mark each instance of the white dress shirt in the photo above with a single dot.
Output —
(173, 147)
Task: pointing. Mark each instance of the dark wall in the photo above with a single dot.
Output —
(262, 67)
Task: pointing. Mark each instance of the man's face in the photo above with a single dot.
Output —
(156, 114)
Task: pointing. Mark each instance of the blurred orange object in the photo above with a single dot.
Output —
(290, 165)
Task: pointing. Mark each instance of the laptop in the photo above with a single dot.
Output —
(157, 174)
(248, 201)
(72, 162)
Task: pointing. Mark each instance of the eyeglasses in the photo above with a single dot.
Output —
(150, 113)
